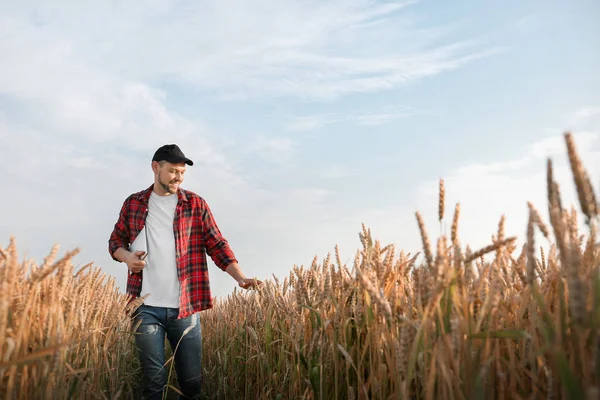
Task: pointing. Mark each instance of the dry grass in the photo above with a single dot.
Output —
(62, 334)
(495, 323)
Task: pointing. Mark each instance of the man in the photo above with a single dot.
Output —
(163, 234)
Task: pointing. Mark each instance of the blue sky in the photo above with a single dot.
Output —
(305, 118)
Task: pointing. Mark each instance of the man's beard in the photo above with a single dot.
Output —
(166, 186)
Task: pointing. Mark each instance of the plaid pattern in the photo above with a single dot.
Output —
(196, 235)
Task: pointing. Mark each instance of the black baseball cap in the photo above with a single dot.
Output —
(171, 153)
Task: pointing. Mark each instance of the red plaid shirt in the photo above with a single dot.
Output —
(196, 234)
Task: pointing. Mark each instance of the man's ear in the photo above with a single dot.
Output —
(155, 166)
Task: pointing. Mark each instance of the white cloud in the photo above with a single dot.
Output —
(555, 145)
(337, 171)
(311, 122)
(372, 119)
(278, 150)
(486, 191)
(310, 49)
(586, 113)
(529, 23)
(534, 153)
(61, 94)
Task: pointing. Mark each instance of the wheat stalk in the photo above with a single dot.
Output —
(585, 192)
(442, 200)
(488, 249)
(425, 239)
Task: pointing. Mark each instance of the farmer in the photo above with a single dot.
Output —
(163, 234)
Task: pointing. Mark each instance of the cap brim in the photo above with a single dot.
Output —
(177, 160)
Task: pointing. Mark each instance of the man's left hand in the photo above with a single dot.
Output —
(248, 283)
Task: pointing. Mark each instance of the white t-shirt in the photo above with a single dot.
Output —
(160, 279)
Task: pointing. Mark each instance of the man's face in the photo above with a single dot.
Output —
(169, 176)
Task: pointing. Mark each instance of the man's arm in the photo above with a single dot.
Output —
(217, 247)
(132, 259)
(236, 273)
(118, 243)
(219, 251)
(121, 254)
(119, 237)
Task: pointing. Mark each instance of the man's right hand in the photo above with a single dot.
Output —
(134, 262)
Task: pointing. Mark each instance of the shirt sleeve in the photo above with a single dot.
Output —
(120, 234)
(217, 246)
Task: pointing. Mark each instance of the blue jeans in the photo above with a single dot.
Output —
(150, 340)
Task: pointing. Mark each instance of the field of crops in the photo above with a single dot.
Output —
(451, 323)
(63, 334)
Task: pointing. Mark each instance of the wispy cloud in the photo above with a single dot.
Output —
(528, 23)
(278, 150)
(555, 145)
(310, 49)
(79, 103)
(548, 147)
(586, 113)
(336, 171)
(310, 122)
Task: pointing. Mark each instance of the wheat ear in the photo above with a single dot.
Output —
(442, 200)
(585, 192)
(425, 239)
(489, 248)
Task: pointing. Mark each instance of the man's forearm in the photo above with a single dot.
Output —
(121, 253)
(236, 273)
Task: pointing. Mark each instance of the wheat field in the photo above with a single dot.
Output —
(450, 323)
(63, 334)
